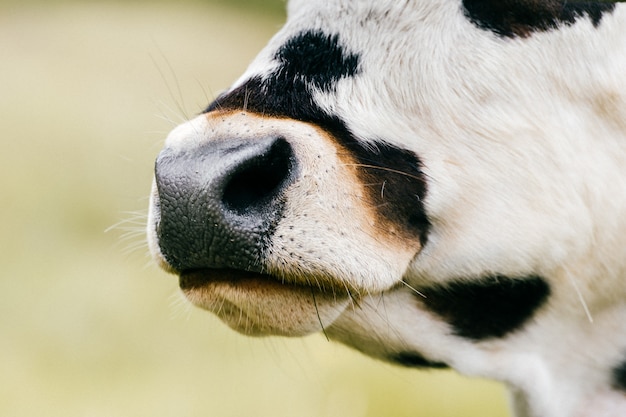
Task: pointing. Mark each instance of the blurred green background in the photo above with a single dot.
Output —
(88, 326)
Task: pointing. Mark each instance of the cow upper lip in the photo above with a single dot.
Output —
(199, 278)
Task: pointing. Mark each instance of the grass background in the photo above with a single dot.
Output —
(88, 326)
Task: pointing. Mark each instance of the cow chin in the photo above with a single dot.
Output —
(260, 305)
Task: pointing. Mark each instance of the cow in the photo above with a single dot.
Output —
(435, 183)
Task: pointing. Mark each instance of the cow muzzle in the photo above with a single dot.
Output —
(268, 223)
(214, 209)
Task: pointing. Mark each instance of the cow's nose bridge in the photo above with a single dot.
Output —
(220, 200)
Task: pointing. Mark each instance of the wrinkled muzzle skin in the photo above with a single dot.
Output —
(434, 183)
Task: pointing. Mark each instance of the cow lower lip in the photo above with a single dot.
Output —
(260, 304)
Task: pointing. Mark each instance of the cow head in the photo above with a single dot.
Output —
(433, 182)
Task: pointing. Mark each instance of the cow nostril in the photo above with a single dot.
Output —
(258, 180)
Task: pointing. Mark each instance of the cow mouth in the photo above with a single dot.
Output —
(197, 279)
(259, 304)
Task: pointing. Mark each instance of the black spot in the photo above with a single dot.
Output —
(415, 360)
(315, 58)
(489, 308)
(619, 377)
(513, 18)
(308, 61)
(314, 61)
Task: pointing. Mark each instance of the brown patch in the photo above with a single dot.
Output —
(393, 189)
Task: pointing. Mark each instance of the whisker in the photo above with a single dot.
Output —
(208, 93)
(394, 171)
(180, 99)
(413, 289)
(136, 220)
(131, 233)
(246, 98)
(180, 306)
(172, 121)
(319, 318)
(581, 298)
(177, 116)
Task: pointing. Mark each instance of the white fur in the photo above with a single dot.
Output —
(523, 143)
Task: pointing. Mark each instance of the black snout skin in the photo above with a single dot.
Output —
(220, 202)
